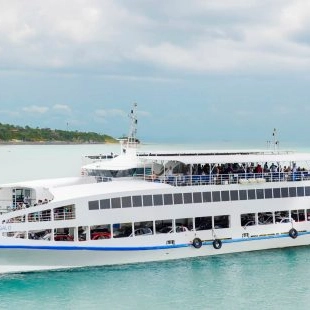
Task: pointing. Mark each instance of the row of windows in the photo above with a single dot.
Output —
(198, 197)
(285, 216)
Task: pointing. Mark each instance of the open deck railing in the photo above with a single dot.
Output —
(231, 178)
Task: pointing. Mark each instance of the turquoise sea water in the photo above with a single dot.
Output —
(273, 279)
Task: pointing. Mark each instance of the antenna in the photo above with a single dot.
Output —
(133, 124)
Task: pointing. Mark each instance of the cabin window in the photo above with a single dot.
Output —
(98, 232)
(265, 218)
(40, 216)
(251, 193)
(206, 196)
(292, 191)
(276, 193)
(216, 196)
(168, 199)
(234, 195)
(163, 226)
(259, 193)
(183, 225)
(147, 200)
(105, 204)
(143, 228)
(188, 197)
(284, 192)
(243, 194)
(307, 190)
(122, 230)
(300, 191)
(178, 199)
(268, 193)
(298, 215)
(225, 195)
(126, 202)
(137, 201)
(63, 234)
(116, 203)
(93, 205)
(221, 221)
(282, 216)
(197, 197)
(158, 200)
(66, 212)
(308, 214)
(203, 223)
(248, 219)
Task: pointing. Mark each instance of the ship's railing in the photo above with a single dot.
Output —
(231, 178)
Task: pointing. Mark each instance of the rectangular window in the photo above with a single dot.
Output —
(203, 223)
(234, 195)
(221, 221)
(126, 202)
(116, 203)
(225, 195)
(259, 193)
(292, 191)
(276, 193)
(251, 193)
(300, 191)
(248, 219)
(147, 200)
(268, 193)
(178, 199)
(243, 194)
(197, 197)
(137, 201)
(307, 190)
(188, 198)
(105, 204)
(158, 200)
(93, 205)
(168, 199)
(284, 192)
(216, 196)
(206, 196)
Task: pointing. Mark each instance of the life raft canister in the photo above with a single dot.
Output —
(197, 243)
(293, 233)
(217, 244)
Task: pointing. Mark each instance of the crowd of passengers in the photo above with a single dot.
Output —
(199, 169)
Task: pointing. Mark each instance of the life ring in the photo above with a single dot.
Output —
(197, 243)
(293, 233)
(217, 244)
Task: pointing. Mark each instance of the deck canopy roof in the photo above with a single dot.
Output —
(223, 158)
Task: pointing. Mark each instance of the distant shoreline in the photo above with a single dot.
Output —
(50, 143)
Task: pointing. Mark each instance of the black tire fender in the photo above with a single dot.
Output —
(293, 233)
(217, 244)
(197, 243)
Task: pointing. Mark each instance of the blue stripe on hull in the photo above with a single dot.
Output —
(145, 248)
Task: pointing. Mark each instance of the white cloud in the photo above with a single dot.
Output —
(117, 36)
(34, 109)
(62, 108)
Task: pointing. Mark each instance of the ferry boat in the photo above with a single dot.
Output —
(191, 204)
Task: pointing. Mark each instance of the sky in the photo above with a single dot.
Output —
(200, 71)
